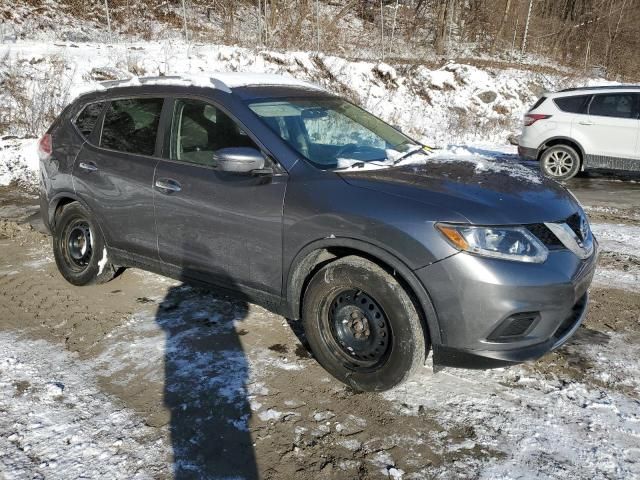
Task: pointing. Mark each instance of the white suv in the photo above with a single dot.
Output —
(580, 128)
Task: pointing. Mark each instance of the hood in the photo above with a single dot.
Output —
(486, 193)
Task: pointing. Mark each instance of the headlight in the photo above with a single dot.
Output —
(508, 243)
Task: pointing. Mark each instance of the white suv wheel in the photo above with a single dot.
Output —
(560, 162)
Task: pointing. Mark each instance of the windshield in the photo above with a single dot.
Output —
(333, 133)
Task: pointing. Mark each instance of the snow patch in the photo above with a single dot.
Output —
(269, 415)
(548, 425)
(54, 414)
(102, 263)
(618, 238)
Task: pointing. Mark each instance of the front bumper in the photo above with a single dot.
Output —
(475, 297)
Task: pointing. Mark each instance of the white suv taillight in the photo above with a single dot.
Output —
(531, 118)
(45, 147)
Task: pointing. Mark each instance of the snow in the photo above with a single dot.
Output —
(441, 79)
(517, 415)
(437, 107)
(539, 422)
(57, 424)
(19, 161)
(613, 278)
(234, 80)
(269, 415)
(103, 262)
(487, 161)
(618, 238)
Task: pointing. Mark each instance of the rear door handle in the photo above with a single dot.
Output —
(585, 122)
(167, 185)
(88, 166)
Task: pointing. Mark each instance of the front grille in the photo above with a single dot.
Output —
(545, 235)
(548, 238)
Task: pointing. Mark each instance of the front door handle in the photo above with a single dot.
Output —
(585, 122)
(88, 166)
(167, 185)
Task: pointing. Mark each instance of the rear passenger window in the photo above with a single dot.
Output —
(199, 129)
(620, 105)
(86, 121)
(574, 104)
(131, 125)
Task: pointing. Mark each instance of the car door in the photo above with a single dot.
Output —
(224, 226)
(113, 174)
(612, 126)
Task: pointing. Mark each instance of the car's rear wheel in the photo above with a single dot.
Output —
(362, 325)
(79, 249)
(560, 162)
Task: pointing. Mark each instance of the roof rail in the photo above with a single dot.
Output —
(220, 81)
(115, 83)
(600, 87)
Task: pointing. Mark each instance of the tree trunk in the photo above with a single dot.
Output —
(441, 27)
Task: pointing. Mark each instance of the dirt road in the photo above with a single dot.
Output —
(145, 377)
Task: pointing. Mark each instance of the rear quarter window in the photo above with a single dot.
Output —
(574, 104)
(538, 103)
(86, 121)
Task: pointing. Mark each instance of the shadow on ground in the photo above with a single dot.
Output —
(206, 377)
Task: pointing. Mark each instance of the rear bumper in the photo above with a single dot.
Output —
(479, 302)
(44, 210)
(528, 153)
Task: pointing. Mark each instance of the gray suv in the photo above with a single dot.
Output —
(308, 205)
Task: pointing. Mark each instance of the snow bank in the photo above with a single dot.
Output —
(454, 104)
(19, 161)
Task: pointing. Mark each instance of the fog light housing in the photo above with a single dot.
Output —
(514, 327)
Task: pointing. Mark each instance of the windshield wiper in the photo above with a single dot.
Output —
(353, 165)
(408, 154)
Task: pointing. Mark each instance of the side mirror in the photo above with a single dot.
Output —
(238, 159)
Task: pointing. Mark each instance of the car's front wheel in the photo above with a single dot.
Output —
(560, 162)
(362, 325)
(79, 249)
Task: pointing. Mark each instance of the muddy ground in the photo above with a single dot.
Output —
(218, 388)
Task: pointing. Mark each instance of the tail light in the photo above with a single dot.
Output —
(45, 147)
(531, 118)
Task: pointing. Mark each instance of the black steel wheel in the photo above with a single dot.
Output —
(79, 249)
(362, 326)
(358, 329)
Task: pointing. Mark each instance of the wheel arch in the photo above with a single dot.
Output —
(58, 202)
(321, 252)
(62, 199)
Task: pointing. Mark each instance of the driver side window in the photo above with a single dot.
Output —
(199, 129)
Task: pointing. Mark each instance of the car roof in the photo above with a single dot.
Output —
(591, 90)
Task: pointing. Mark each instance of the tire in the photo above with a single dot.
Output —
(560, 162)
(79, 248)
(362, 326)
